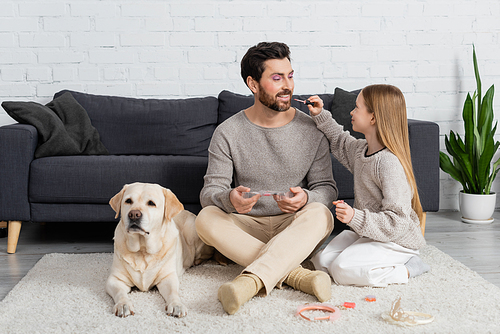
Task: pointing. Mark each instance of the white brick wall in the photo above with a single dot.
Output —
(170, 49)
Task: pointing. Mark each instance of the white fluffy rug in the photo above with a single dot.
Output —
(64, 293)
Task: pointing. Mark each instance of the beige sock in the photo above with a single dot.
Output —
(236, 293)
(316, 283)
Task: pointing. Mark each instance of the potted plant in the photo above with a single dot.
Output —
(472, 157)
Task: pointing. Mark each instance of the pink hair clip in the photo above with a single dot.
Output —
(335, 312)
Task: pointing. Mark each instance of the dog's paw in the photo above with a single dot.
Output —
(176, 309)
(221, 259)
(123, 310)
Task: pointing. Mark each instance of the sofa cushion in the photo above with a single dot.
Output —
(63, 126)
(69, 213)
(342, 105)
(424, 147)
(344, 180)
(230, 103)
(95, 179)
(151, 126)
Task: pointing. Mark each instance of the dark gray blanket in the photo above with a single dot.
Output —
(63, 126)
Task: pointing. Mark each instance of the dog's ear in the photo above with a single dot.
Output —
(116, 201)
(172, 205)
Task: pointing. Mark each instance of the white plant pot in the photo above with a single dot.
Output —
(477, 209)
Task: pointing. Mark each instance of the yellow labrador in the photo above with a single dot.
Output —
(155, 241)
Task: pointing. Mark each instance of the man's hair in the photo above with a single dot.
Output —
(252, 64)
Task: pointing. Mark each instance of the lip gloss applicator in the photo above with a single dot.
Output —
(306, 102)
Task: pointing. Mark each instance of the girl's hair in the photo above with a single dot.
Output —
(387, 103)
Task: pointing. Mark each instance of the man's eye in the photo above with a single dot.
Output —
(290, 76)
(276, 77)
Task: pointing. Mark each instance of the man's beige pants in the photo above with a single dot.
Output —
(269, 246)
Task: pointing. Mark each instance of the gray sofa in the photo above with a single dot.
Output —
(162, 141)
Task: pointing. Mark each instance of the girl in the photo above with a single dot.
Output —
(382, 246)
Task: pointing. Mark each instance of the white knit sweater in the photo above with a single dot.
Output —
(382, 194)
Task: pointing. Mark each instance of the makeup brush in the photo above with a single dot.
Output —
(306, 102)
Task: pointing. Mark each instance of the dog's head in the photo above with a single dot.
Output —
(145, 206)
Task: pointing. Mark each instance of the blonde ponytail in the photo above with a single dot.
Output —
(389, 107)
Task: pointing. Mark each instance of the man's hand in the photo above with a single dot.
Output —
(317, 106)
(294, 204)
(343, 211)
(242, 205)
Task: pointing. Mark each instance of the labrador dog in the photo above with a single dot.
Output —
(154, 242)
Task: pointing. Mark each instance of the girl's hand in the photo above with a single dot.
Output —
(343, 211)
(317, 107)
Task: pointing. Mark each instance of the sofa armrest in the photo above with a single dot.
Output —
(424, 146)
(17, 149)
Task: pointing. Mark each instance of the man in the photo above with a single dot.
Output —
(269, 146)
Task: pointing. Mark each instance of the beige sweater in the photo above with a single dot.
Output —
(273, 159)
(382, 204)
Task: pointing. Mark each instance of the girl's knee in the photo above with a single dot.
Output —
(338, 272)
(344, 273)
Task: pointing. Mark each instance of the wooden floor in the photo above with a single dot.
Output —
(476, 246)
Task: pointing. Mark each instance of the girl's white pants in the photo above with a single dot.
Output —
(354, 260)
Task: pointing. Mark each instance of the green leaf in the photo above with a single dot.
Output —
(492, 177)
(461, 159)
(483, 168)
(448, 167)
(468, 117)
(486, 116)
(478, 78)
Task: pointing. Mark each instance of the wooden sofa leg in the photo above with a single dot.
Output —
(422, 223)
(13, 236)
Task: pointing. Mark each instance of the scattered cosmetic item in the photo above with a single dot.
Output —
(398, 316)
(370, 298)
(349, 305)
(279, 195)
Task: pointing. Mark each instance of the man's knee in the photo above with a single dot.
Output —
(204, 222)
(322, 215)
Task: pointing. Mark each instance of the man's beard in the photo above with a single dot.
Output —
(272, 101)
